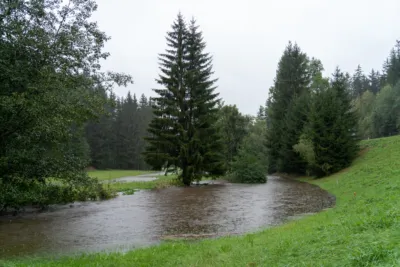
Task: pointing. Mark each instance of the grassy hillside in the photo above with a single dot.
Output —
(362, 230)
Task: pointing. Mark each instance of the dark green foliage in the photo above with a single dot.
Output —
(233, 126)
(251, 164)
(329, 142)
(117, 139)
(286, 110)
(163, 129)
(127, 133)
(49, 77)
(378, 106)
(359, 83)
(294, 121)
(19, 194)
(374, 81)
(392, 65)
(261, 113)
(311, 125)
(182, 132)
(386, 113)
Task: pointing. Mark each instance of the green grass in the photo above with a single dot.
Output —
(363, 229)
(104, 175)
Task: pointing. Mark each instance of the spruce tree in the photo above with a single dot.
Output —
(392, 66)
(359, 83)
(332, 128)
(261, 113)
(374, 81)
(285, 111)
(164, 139)
(145, 115)
(183, 132)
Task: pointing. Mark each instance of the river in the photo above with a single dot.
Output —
(145, 218)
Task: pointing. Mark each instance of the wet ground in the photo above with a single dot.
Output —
(147, 217)
(138, 178)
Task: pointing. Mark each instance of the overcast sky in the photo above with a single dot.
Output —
(247, 38)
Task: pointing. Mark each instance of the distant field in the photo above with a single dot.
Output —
(104, 175)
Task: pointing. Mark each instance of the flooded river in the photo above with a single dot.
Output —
(147, 217)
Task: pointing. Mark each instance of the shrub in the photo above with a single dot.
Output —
(250, 165)
(16, 195)
(248, 169)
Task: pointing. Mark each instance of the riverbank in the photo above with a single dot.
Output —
(362, 230)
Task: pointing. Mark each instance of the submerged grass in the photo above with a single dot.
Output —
(362, 230)
(104, 175)
(129, 187)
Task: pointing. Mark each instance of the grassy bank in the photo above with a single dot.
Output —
(362, 230)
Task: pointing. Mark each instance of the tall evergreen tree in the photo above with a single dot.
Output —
(164, 139)
(286, 109)
(374, 81)
(392, 65)
(261, 113)
(331, 130)
(145, 114)
(359, 83)
(183, 131)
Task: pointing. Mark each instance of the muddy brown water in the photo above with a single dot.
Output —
(145, 218)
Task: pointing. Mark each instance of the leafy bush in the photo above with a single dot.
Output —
(248, 169)
(250, 165)
(16, 195)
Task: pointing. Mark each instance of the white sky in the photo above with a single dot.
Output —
(247, 38)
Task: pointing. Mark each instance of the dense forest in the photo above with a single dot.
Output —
(314, 123)
(116, 140)
(59, 115)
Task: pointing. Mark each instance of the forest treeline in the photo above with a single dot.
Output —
(315, 122)
(312, 123)
(116, 140)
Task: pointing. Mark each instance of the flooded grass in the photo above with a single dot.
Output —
(113, 180)
(129, 187)
(104, 175)
(362, 230)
